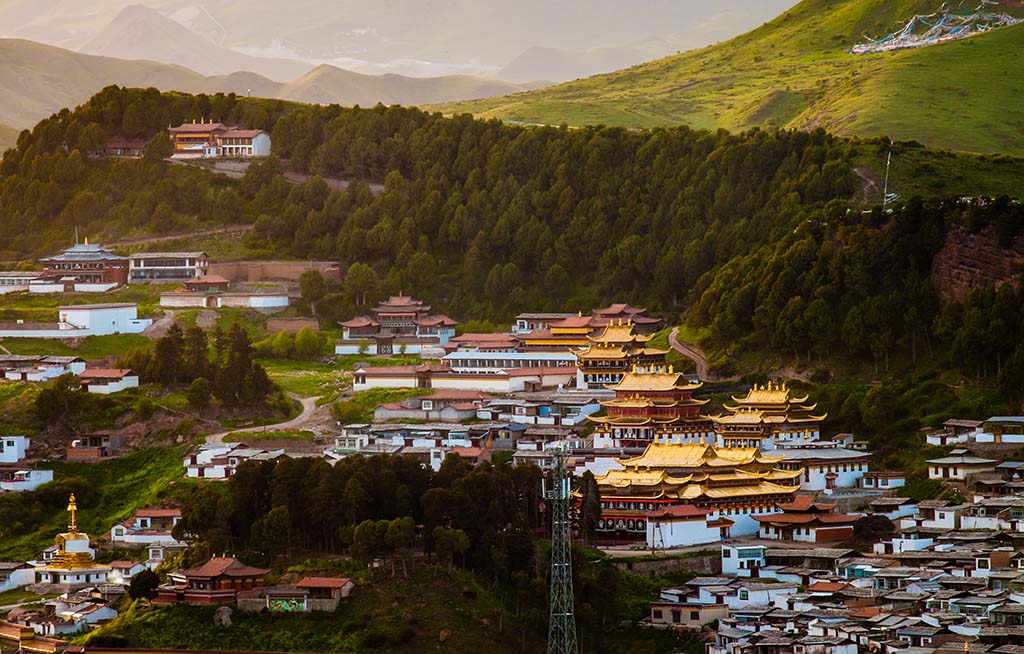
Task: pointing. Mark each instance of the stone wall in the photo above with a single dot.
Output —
(258, 271)
(706, 563)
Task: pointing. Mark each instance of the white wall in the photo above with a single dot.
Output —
(131, 381)
(13, 448)
(261, 145)
(663, 533)
(105, 320)
(34, 480)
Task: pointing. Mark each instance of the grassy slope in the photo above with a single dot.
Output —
(795, 71)
(108, 491)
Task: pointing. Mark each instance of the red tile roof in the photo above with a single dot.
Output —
(805, 503)
(158, 513)
(323, 582)
(224, 567)
(360, 321)
(430, 321)
(197, 128)
(106, 373)
(122, 565)
(678, 511)
(826, 587)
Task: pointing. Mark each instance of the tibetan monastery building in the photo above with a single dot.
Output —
(767, 415)
(652, 405)
(400, 324)
(83, 267)
(733, 483)
(613, 352)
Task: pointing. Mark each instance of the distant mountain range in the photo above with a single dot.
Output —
(797, 72)
(138, 32)
(283, 39)
(37, 80)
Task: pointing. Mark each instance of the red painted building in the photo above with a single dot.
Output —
(86, 263)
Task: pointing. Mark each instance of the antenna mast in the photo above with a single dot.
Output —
(562, 616)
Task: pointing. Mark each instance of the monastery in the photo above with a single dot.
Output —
(737, 483)
(613, 353)
(768, 414)
(652, 404)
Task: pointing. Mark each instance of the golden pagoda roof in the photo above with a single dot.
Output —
(653, 380)
(621, 331)
(604, 352)
(640, 402)
(627, 478)
(769, 394)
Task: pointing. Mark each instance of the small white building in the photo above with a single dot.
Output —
(263, 300)
(958, 466)
(17, 281)
(824, 467)
(166, 267)
(219, 461)
(17, 481)
(107, 381)
(741, 560)
(13, 448)
(483, 363)
(683, 526)
(882, 480)
(147, 526)
(121, 572)
(103, 319)
(40, 368)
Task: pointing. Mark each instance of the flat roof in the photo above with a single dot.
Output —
(92, 307)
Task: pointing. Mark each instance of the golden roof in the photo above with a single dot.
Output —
(627, 478)
(769, 394)
(621, 331)
(640, 402)
(604, 352)
(657, 379)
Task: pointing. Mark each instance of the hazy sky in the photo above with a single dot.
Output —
(409, 36)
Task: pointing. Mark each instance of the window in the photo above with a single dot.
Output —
(726, 554)
(695, 616)
(428, 405)
(744, 594)
(656, 614)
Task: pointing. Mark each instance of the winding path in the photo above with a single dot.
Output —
(309, 408)
(691, 352)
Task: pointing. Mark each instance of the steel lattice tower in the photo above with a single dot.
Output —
(562, 617)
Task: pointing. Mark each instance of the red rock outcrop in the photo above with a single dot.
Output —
(969, 261)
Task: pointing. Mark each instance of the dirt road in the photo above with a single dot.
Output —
(310, 414)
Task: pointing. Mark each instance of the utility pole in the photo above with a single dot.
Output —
(885, 189)
(562, 616)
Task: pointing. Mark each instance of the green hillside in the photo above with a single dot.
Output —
(795, 71)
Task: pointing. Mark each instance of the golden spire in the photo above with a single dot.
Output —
(87, 240)
(73, 519)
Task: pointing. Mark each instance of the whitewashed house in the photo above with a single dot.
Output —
(13, 448)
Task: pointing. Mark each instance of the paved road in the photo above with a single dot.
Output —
(691, 352)
(309, 409)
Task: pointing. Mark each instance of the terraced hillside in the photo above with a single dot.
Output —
(796, 72)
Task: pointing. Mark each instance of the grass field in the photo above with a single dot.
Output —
(107, 492)
(796, 72)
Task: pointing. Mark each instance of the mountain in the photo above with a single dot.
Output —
(412, 37)
(561, 65)
(37, 80)
(327, 84)
(138, 32)
(796, 71)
